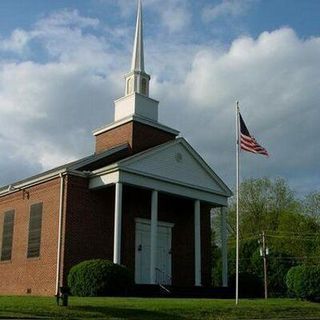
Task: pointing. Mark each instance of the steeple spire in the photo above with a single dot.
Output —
(138, 54)
(137, 80)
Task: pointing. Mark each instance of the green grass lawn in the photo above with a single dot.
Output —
(138, 308)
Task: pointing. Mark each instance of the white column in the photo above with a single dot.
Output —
(117, 224)
(197, 243)
(224, 248)
(153, 235)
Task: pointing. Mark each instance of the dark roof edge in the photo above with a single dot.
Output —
(69, 168)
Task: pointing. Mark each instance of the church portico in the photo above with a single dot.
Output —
(158, 201)
(174, 229)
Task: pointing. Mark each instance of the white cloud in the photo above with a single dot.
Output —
(174, 15)
(16, 43)
(176, 18)
(49, 109)
(226, 9)
(275, 78)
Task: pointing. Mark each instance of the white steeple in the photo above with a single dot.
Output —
(136, 107)
(137, 80)
(138, 54)
(136, 101)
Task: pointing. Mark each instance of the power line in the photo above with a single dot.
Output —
(293, 237)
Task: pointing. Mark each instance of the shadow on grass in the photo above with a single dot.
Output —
(126, 313)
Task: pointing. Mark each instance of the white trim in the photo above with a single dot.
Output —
(137, 119)
(59, 233)
(117, 224)
(104, 180)
(147, 182)
(169, 187)
(172, 181)
(135, 93)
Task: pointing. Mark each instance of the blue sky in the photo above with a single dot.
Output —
(258, 15)
(62, 64)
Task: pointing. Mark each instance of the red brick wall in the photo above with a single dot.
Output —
(88, 233)
(139, 137)
(145, 137)
(89, 223)
(114, 137)
(37, 274)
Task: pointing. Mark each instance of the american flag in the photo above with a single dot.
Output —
(248, 142)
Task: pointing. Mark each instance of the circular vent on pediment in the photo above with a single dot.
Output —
(179, 157)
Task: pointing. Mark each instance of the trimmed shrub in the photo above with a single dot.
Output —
(304, 282)
(293, 277)
(99, 278)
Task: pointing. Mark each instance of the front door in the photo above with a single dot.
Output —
(142, 256)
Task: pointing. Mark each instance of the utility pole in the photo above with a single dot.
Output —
(264, 251)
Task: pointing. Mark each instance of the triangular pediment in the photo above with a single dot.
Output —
(177, 162)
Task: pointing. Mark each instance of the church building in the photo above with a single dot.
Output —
(143, 200)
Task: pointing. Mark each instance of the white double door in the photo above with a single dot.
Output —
(143, 250)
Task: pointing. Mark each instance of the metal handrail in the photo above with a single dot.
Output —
(164, 277)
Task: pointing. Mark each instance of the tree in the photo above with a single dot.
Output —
(262, 202)
(311, 205)
(292, 235)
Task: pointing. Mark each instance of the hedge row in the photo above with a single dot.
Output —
(304, 282)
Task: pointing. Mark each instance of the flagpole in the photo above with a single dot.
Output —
(237, 200)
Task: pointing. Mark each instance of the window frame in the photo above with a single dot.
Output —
(9, 214)
(35, 230)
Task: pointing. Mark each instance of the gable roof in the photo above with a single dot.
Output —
(176, 160)
(82, 165)
(170, 167)
(173, 167)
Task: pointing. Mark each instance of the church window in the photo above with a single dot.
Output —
(7, 235)
(35, 222)
(144, 86)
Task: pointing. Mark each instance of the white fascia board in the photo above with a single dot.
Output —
(136, 118)
(100, 181)
(172, 181)
(156, 183)
(171, 188)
